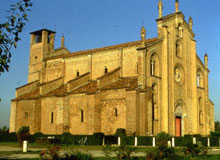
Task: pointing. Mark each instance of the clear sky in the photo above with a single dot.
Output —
(90, 24)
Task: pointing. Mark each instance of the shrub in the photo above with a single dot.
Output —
(35, 136)
(162, 153)
(107, 151)
(162, 138)
(23, 134)
(127, 140)
(96, 138)
(123, 152)
(214, 141)
(193, 150)
(120, 132)
(144, 141)
(67, 138)
(109, 140)
(12, 137)
(76, 155)
(55, 154)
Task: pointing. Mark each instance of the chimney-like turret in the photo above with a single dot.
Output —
(143, 33)
(206, 60)
(62, 41)
(160, 8)
(190, 22)
(177, 5)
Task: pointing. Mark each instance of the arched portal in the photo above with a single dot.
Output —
(179, 118)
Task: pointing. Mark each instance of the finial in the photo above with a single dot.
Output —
(143, 33)
(177, 5)
(190, 22)
(206, 60)
(62, 41)
(160, 8)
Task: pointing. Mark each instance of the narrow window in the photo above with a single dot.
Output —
(77, 73)
(82, 116)
(38, 38)
(116, 112)
(26, 116)
(51, 118)
(200, 118)
(152, 67)
(48, 38)
(106, 70)
(198, 79)
(137, 67)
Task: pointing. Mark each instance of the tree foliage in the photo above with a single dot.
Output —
(217, 126)
(11, 29)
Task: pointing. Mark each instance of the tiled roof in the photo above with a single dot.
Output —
(31, 95)
(59, 92)
(147, 41)
(89, 88)
(129, 83)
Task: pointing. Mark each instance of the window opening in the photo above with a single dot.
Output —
(82, 116)
(51, 118)
(38, 38)
(116, 112)
(77, 73)
(106, 70)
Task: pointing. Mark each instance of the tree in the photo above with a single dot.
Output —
(217, 126)
(11, 29)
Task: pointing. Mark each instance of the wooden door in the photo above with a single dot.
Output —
(178, 126)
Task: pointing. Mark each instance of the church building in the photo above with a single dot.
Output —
(146, 86)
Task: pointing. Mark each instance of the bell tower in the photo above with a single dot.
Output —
(42, 43)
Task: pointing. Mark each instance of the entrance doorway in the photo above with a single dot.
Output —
(178, 126)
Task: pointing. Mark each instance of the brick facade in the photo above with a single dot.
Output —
(144, 86)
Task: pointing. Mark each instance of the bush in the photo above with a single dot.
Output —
(4, 131)
(23, 134)
(193, 150)
(162, 153)
(123, 152)
(67, 138)
(96, 138)
(12, 137)
(55, 154)
(145, 141)
(109, 140)
(214, 141)
(120, 132)
(127, 140)
(215, 134)
(162, 138)
(107, 151)
(35, 136)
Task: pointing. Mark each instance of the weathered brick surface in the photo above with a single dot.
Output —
(149, 84)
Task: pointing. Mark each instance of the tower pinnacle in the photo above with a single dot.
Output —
(160, 8)
(177, 5)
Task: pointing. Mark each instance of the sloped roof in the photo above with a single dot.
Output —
(147, 41)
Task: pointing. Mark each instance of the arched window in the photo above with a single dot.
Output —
(82, 115)
(154, 65)
(77, 73)
(105, 70)
(116, 112)
(180, 31)
(200, 117)
(51, 117)
(178, 49)
(199, 78)
(26, 116)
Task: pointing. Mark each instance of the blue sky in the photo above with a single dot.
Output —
(90, 24)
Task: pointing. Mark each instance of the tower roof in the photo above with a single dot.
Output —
(39, 31)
